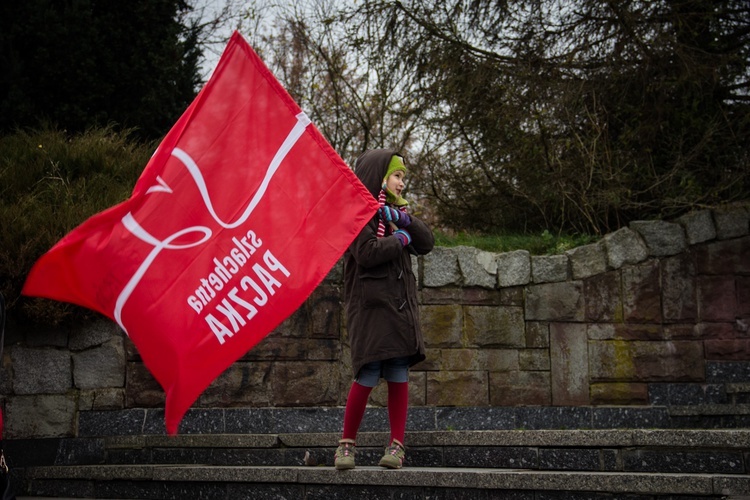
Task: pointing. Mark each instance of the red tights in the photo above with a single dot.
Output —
(398, 404)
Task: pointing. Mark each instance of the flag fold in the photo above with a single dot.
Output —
(240, 213)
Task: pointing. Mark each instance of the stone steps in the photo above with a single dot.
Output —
(480, 464)
(241, 482)
(627, 450)
(474, 453)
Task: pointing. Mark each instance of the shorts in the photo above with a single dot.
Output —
(392, 370)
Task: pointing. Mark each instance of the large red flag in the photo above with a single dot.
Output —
(241, 212)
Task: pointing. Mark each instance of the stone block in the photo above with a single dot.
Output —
(537, 334)
(489, 418)
(555, 302)
(642, 293)
(624, 246)
(101, 366)
(462, 359)
(687, 394)
(724, 257)
(569, 459)
(629, 418)
(679, 302)
(513, 268)
(102, 399)
(81, 452)
(727, 350)
(460, 388)
(743, 297)
(141, 389)
(243, 383)
(684, 462)
(40, 416)
(304, 383)
(650, 361)
(731, 222)
(321, 349)
(94, 334)
(713, 331)
(417, 388)
(737, 485)
(252, 421)
(519, 388)
(509, 457)
(432, 363)
(475, 296)
(500, 360)
(131, 352)
(534, 359)
(325, 307)
(440, 296)
(699, 226)
(602, 297)
(553, 417)
(442, 325)
(730, 372)
(662, 238)
(717, 298)
(276, 347)
(441, 268)
(494, 326)
(587, 260)
(549, 268)
(569, 359)
(336, 274)
(478, 359)
(478, 268)
(512, 296)
(625, 331)
(40, 371)
(619, 393)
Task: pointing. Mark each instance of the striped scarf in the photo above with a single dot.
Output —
(381, 224)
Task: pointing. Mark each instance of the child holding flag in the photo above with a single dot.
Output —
(380, 293)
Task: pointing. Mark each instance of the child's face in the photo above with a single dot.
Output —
(395, 182)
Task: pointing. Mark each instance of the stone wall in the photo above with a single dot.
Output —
(656, 313)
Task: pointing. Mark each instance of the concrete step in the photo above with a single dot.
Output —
(242, 482)
(524, 464)
(633, 450)
(715, 451)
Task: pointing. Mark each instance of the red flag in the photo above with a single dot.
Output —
(241, 212)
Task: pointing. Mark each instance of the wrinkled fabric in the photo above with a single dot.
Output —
(380, 288)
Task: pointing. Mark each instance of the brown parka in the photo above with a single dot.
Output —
(380, 289)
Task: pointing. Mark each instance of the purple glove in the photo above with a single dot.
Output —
(388, 214)
(403, 236)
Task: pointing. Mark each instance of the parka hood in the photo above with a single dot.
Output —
(371, 167)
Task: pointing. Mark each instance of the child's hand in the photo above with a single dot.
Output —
(388, 214)
(403, 236)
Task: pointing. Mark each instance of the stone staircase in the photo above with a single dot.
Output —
(452, 453)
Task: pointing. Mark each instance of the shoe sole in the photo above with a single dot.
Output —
(389, 465)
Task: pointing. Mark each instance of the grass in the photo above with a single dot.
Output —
(544, 243)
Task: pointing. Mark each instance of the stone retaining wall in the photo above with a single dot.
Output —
(656, 313)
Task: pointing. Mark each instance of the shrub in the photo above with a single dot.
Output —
(50, 182)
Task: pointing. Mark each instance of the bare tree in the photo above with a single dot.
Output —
(575, 115)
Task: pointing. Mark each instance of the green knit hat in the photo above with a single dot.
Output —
(396, 164)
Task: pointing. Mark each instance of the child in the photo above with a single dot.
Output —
(380, 293)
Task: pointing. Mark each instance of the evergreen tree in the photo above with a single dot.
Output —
(82, 63)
